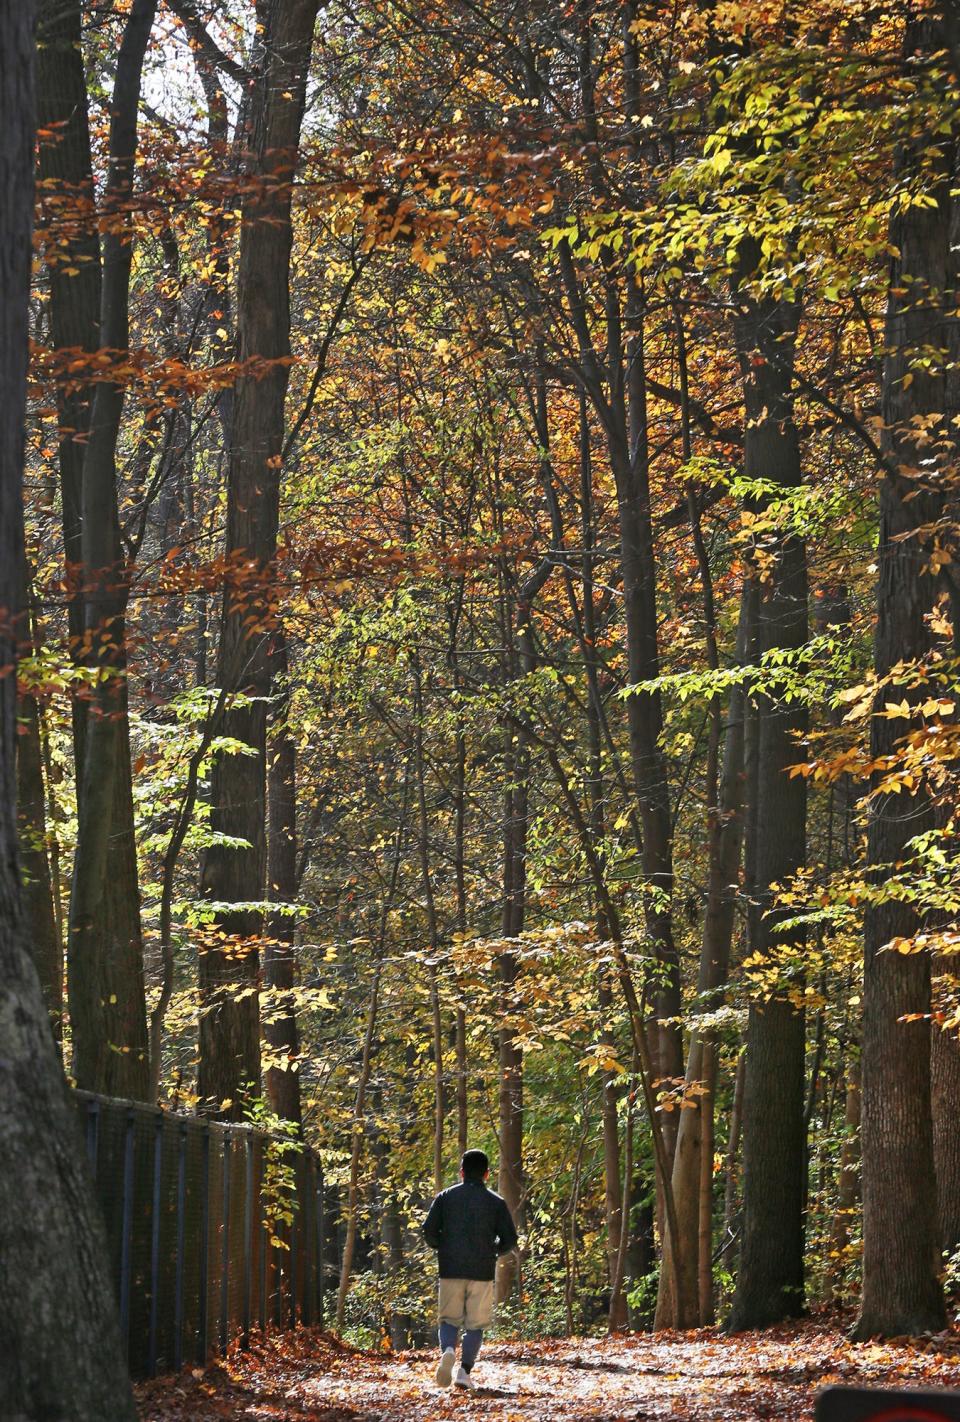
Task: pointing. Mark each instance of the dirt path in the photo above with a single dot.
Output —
(642, 1378)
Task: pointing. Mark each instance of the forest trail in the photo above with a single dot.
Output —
(638, 1378)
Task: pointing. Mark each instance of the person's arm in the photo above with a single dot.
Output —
(506, 1230)
(433, 1224)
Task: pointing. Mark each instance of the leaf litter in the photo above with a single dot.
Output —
(702, 1376)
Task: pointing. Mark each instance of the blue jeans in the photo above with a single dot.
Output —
(472, 1338)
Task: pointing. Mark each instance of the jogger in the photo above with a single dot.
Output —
(470, 1227)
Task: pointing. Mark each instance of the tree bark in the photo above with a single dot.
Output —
(282, 1076)
(902, 1293)
(770, 1279)
(433, 930)
(617, 388)
(645, 711)
(60, 1350)
(229, 1014)
(945, 1103)
(733, 1149)
(72, 255)
(725, 843)
(108, 1016)
(510, 1097)
(39, 918)
(848, 1185)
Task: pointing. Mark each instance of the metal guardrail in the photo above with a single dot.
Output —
(190, 1229)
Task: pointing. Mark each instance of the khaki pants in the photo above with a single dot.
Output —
(466, 1303)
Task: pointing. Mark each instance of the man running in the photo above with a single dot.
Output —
(470, 1227)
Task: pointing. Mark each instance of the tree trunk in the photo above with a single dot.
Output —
(282, 1076)
(60, 1350)
(725, 842)
(617, 387)
(945, 1105)
(366, 1059)
(520, 657)
(76, 288)
(459, 867)
(390, 1223)
(848, 1185)
(108, 1016)
(733, 1149)
(645, 712)
(770, 1279)
(611, 1089)
(612, 1192)
(356, 1150)
(433, 931)
(229, 1016)
(510, 1107)
(72, 255)
(39, 918)
(902, 1292)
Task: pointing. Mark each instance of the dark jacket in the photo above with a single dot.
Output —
(469, 1226)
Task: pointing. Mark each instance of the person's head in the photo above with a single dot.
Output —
(474, 1165)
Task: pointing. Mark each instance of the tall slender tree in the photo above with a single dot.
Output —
(105, 951)
(105, 941)
(234, 869)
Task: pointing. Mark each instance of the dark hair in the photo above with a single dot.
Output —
(474, 1164)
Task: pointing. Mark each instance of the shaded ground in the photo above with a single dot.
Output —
(635, 1378)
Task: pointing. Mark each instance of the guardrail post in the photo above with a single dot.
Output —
(126, 1227)
(181, 1227)
(93, 1132)
(225, 1243)
(292, 1256)
(321, 1241)
(203, 1282)
(306, 1205)
(247, 1239)
(156, 1206)
(264, 1246)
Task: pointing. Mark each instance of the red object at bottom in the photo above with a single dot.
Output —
(865, 1404)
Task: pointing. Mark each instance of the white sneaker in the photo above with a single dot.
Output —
(463, 1379)
(445, 1367)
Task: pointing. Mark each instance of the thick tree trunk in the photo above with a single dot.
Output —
(229, 1016)
(901, 1246)
(108, 1017)
(770, 1279)
(59, 1341)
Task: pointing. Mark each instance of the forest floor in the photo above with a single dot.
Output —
(308, 1377)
